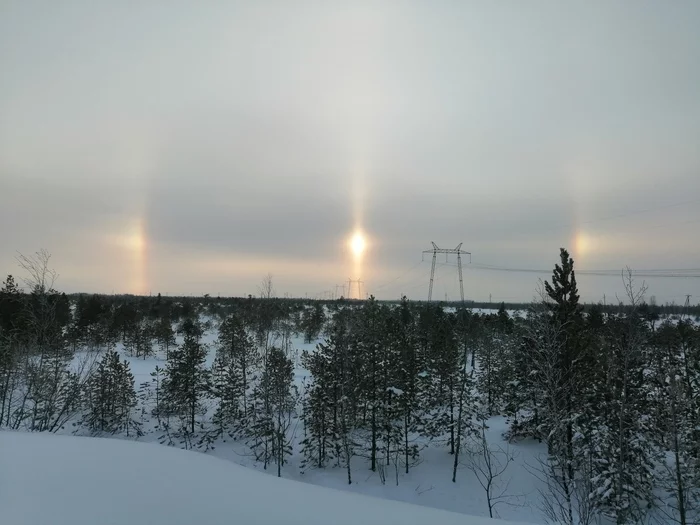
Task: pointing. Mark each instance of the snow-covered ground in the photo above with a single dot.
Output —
(428, 483)
(82, 476)
(68, 480)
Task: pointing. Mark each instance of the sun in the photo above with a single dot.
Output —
(358, 244)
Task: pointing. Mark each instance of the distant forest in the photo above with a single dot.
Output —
(220, 304)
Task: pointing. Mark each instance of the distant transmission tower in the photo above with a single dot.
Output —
(359, 284)
(686, 306)
(447, 251)
(340, 287)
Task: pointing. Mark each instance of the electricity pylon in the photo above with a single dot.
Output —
(459, 252)
(686, 306)
(359, 288)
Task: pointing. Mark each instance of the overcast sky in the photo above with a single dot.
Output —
(192, 147)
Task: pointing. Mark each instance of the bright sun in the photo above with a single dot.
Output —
(357, 244)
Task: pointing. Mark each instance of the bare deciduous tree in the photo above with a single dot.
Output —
(51, 380)
(489, 463)
(266, 288)
(564, 502)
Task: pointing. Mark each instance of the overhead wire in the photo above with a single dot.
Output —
(401, 276)
(651, 273)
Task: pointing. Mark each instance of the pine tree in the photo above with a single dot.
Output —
(12, 332)
(320, 404)
(187, 380)
(274, 402)
(138, 340)
(312, 321)
(408, 389)
(54, 396)
(260, 427)
(465, 425)
(333, 400)
(51, 389)
(497, 343)
(164, 335)
(534, 380)
(235, 362)
(674, 414)
(278, 381)
(621, 444)
(442, 372)
(89, 327)
(11, 306)
(156, 382)
(111, 398)
(370, 347)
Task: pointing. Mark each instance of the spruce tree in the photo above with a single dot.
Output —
(566, 375)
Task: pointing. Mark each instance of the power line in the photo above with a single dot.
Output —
(650, 273)
(661, 273)
(401, 276)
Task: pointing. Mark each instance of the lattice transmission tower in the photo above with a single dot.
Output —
(359, 284)
(447, 251)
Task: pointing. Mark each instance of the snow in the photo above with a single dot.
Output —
(68, 480)
(427, 484)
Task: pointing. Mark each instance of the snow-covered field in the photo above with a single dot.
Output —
(61, 480)
(427, 484)
(109, 481)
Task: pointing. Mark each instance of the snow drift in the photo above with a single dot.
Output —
(66, 480)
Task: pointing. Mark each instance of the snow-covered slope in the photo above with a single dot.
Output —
(66, 480)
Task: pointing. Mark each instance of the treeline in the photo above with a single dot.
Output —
(60, 369)
(613, 395)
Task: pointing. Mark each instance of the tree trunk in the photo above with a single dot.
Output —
(452, 423)
(373, 452)
(193, 407)
(244, 374)
(405, 437)
(280, 440)
(458, 445)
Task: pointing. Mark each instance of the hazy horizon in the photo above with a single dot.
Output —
(193, 148)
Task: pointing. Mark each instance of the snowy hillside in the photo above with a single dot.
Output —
(72, 480)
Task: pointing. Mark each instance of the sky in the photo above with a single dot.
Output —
(194, 147)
